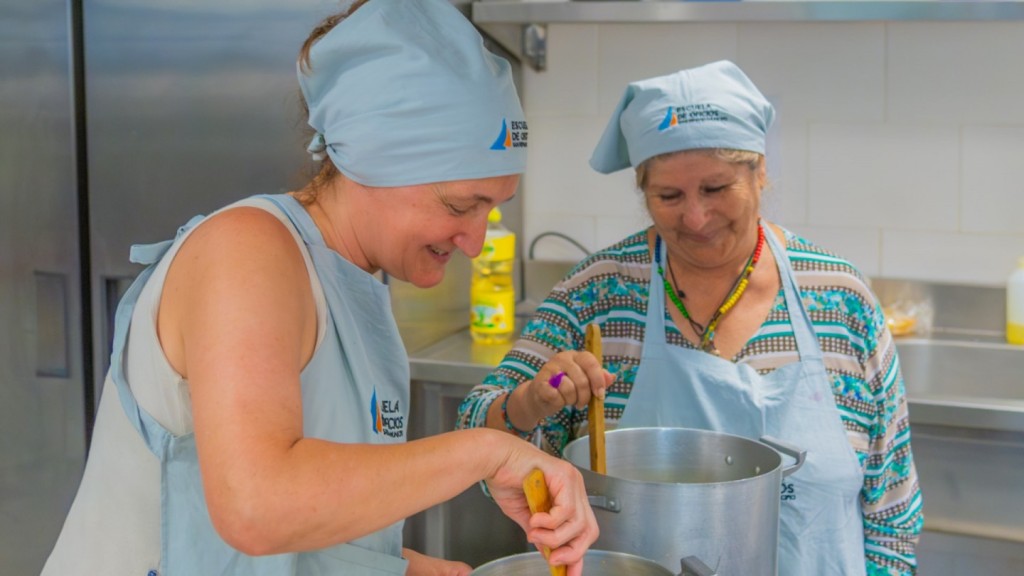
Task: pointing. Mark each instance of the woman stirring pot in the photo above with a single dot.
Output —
(254, 418)
(714, 318)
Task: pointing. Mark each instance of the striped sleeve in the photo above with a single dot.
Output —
(891, 497)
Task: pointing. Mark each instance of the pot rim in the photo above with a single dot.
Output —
(592, 553)
(777, 468)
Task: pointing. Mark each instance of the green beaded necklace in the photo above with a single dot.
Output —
(707, 335)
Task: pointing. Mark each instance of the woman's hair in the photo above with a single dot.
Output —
(328, 171)
(321, 30)
(745, 157)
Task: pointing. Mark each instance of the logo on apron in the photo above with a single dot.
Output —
(387, 416)
(788, 491)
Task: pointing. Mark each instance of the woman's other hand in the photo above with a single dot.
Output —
(569, 378)
(422, 565)
(569, 528)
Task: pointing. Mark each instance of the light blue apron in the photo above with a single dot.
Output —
(821, 526)
(354, 389)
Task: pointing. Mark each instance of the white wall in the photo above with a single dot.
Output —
(898, 145)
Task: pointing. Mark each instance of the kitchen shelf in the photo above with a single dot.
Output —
(521, 26)
(598, 11)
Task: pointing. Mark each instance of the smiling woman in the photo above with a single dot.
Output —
(716, 319)
(256, 410)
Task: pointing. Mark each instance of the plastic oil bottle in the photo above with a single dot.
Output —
(492, 294)
(1015, 305)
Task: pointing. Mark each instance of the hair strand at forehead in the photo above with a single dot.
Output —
(751, 160)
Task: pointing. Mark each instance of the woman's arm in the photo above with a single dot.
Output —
(548, 344)
(891, 496)
(238, 321)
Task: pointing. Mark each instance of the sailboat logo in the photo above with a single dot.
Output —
(670, 119)
(504, 139)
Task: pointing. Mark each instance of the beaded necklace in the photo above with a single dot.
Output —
(707, 335)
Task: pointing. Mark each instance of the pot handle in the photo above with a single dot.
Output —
(693, 566)
(789, 450)
(609, 503)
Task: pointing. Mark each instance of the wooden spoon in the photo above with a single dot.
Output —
(595, 419)
(537, 497)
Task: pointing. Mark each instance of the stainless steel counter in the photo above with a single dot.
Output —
(457, 359)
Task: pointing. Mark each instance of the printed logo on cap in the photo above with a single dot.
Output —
(513, 136)
(691, 113)
(387, 417)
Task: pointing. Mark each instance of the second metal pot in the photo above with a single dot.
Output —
(671, 493)
(595, 563)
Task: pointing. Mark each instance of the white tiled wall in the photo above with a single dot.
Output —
(898, 145)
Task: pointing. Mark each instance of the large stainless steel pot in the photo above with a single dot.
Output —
(670, 493)
(595, 563)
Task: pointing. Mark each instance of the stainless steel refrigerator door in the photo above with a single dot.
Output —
(190, 105)
(42, 427)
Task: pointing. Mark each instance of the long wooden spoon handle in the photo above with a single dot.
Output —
(595, 418)
(536, 490)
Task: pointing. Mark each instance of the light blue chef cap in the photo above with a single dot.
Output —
(712, 106)
(403, 92)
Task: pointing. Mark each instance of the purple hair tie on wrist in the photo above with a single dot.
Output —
(556, 380)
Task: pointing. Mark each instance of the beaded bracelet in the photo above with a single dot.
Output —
(508, 422)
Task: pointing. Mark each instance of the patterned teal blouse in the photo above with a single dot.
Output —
(610, 287)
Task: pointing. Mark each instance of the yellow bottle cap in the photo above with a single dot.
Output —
(494, 216)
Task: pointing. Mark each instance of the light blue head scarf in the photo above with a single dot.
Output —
(403, 92)
(712, 106)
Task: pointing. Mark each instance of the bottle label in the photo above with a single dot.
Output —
(493, 313)
(499, 248)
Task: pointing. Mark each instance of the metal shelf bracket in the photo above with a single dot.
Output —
(527, 42)
(535, 46)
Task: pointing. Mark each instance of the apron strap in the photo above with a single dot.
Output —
(803, 329)
(153, 434)
(299, 217)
